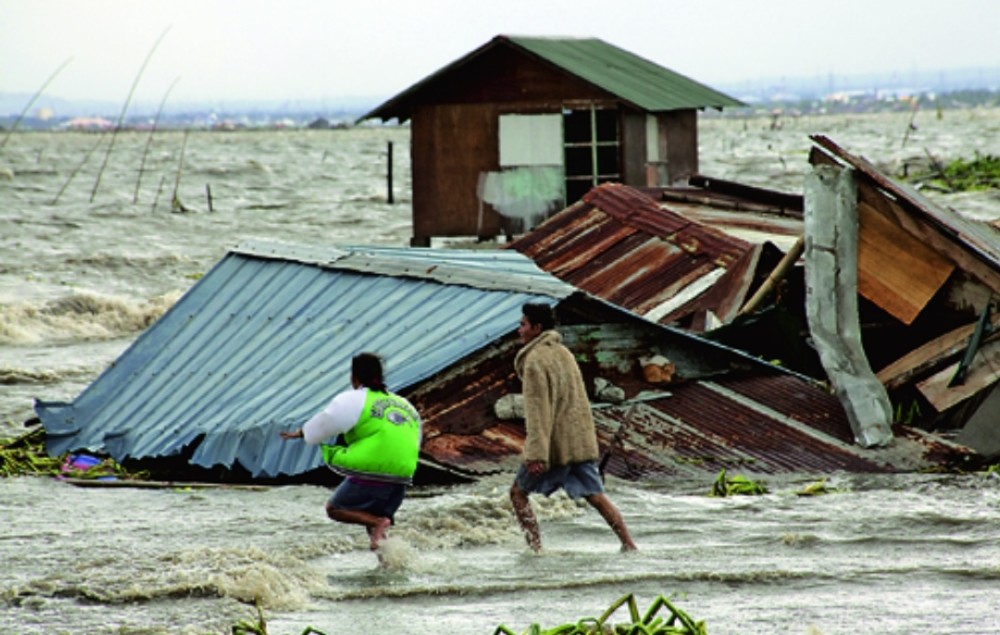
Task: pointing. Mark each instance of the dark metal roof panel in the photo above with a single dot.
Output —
(756, 423)
(719, 413)
(259, 344)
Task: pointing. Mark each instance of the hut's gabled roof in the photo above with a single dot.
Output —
(633, 79)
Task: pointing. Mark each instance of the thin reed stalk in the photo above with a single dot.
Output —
(121, 117)
(38, 94)
(159, 190)
(149, 142)
(78, 168)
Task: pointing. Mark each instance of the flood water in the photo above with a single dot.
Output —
(80, 279)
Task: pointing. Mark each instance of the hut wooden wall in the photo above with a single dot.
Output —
(680, 129)
(451, 145)
(633, 147)
(454, 138)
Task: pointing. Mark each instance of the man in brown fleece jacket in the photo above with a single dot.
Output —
(560, 448)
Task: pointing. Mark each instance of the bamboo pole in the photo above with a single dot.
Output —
(159, 190)
(121, 117)
(389, 174)
(176, 205)
(775, 277)
(149, 141)
(909, 126)
(38, 94)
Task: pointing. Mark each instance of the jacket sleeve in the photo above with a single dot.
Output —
(339, 416)
(537, 411)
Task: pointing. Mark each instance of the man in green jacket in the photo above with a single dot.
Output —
(382, 433)
(560, 447)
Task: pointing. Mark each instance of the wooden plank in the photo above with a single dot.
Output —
(452, 145)
(896, 271)
(118, 483)
(930, 236)
(920, 359)
(983, 372)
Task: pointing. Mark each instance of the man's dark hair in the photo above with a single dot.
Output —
(540, 314)
(367, 369)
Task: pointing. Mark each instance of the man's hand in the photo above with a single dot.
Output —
(535, 467)
(297, 434)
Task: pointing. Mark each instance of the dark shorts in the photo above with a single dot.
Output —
(379, 499)
(576, 479)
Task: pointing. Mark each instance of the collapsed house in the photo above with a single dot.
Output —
(930, 279)
(861, 284)
(265, 338)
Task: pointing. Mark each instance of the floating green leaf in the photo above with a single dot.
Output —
(679, 622)
(735, 486)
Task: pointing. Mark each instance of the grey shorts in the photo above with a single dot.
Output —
(379, 499)
(578, 480)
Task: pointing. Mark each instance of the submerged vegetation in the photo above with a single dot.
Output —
(679, 622)
(737, 485)
(259, 626)
(648, 623)
(960, 175)
(26, 455)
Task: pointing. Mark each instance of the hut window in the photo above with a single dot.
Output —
(590, 149)
(529, 185)
(530, 140)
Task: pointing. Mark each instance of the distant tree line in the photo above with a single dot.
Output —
(866, 102)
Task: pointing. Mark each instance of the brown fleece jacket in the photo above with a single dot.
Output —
(559, 425)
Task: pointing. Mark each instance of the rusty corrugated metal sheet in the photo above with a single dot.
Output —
(620, 244)
(701, 427)
(757, 420)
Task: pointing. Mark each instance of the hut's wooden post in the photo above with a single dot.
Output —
(388, 173)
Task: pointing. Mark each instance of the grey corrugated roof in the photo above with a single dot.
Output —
(481, 268)
(633, 79)
(265, 339)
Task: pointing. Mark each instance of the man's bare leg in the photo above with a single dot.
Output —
(375, 525)
(526, 517)
(613, 517)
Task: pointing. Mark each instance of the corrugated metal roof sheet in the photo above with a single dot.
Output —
(265, 339)
(619, 244)
(756, 419)
(483, 269)
(633, 79)
(649, 86)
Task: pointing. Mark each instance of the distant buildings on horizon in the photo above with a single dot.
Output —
(827, 93)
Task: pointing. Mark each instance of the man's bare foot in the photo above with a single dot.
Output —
(377, 532)
(535, 544)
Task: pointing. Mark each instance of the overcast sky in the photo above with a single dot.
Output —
(220, 50)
